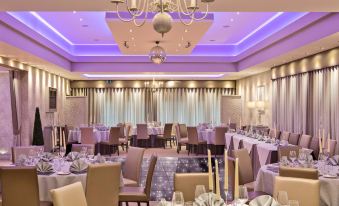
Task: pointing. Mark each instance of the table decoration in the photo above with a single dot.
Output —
(47, 157)
(209, 199)
(44, 168)
(210, 175)
(72, 156)
(78, 166)
(264, 200)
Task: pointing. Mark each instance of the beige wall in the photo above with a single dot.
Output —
(247, 89)
(6, 134)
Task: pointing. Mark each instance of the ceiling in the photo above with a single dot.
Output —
(76, 39)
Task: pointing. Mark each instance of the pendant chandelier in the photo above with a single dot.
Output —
(157, 54)
(162, 21)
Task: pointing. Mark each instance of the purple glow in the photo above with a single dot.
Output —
(142, 76)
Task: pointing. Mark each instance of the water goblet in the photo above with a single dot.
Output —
(243, 195)
(199, 190)
(178, 199)
(282, 198)
(293, 156)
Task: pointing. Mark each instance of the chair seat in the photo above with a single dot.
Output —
(132, 194)
(183, 140)
(250, 186)
(130, 183)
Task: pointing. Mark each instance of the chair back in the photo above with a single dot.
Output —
(294, 138)
(186, 183)
(87, 135)
(192, 134)
(305, 141)
(233, 126)
(306, 173)
(102, 185)
(149, 177)
(142, 131)
(70, 195)
(220, 135)
(273, 134)
(168, 131)
(183, 130)
(245, 166)
(26, 150)
(177, 132)
(114, 135)
(285, 136)
(285, 151)
(132, 166)
(305, 191)
(333, 144)
(314, 145)
(19, 186)
(78, 148)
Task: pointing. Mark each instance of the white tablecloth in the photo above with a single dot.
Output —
(151, 130)
(75, 135)
(207, 135)
(49, 182)
(329, 188)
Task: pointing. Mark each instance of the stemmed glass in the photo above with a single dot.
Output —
(199, 190)
(83, 152)
(282, 198)
(302, 158)
(243, 195)
(62, 152)
(178, 199)
(293, 156)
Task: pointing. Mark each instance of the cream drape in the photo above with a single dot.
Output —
(191, 106)
(307, 102)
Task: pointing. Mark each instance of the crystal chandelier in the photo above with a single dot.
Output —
(162, 21)
(157, 54)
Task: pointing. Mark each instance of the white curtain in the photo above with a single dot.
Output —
(191, 106)
(308, 102)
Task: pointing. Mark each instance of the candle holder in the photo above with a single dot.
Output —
(228, 196)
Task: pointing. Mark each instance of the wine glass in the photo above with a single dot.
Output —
(199, 190)
(62, 152)
(282, 198)
(243, 195)
(293, 203)
(302, 158)
(178, 199)
(293, 155)
(83, 152)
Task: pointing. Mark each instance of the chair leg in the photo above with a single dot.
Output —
(118, 149)
(127, 147)
(138, 203)
(126, 203)
(147, 203)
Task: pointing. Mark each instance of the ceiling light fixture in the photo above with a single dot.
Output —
(162, 21)
(143, 76)
(157, 54)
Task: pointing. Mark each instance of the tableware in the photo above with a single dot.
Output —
(243, 195)
(282, 197)
(178, 199)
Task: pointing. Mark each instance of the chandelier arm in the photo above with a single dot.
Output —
(136, 14)
(203, 17)
(121, 18)
(183, 22)
(143, 22)
(181, 10)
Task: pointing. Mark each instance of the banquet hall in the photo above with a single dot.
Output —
(169, 102)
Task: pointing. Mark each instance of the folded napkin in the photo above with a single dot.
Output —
(78, 166)
(99, 159)
(47, 157)
(334, 160)
(206, 198)
(264, 200)
(72, 156)
(44, 168)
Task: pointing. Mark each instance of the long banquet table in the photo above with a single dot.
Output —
(329, 187)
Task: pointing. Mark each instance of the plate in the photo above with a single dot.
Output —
(63, 173)
(330, 176)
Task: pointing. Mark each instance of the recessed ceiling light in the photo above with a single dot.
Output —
(179, 45)
(212, 40)
(231, 19)
(187, 31)
(95, 39)
(238, 13)
(85, 25)
(132, 38)
(74, 12)
(131, 30)
(81, 19)
(226, 26)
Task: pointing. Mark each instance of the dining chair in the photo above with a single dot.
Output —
(294, 138)
(305, 141)
(307, 173)
(314, 145)
(125, 137)
(78, 147)
(174, 134)
(233, 126)
(87, 135)
(113, 143)
(274, 134)
(24, 150)
(132, 166)
(246, 176)
(285, 136)
(194, 144)
(186, 183)
(23, 181)
(305, 191)
(181, 134)
(70, 195)
(167, 136)
(285, 151)
(102, 185)
(219, 140)
(142, 135)
(139, 194)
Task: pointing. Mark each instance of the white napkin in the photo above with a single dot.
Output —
(78, 166)
(206, 198)
(334, 160)
(99, 159)
(264, 200)
(44, 167)
(73, 156)
(47, 157)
